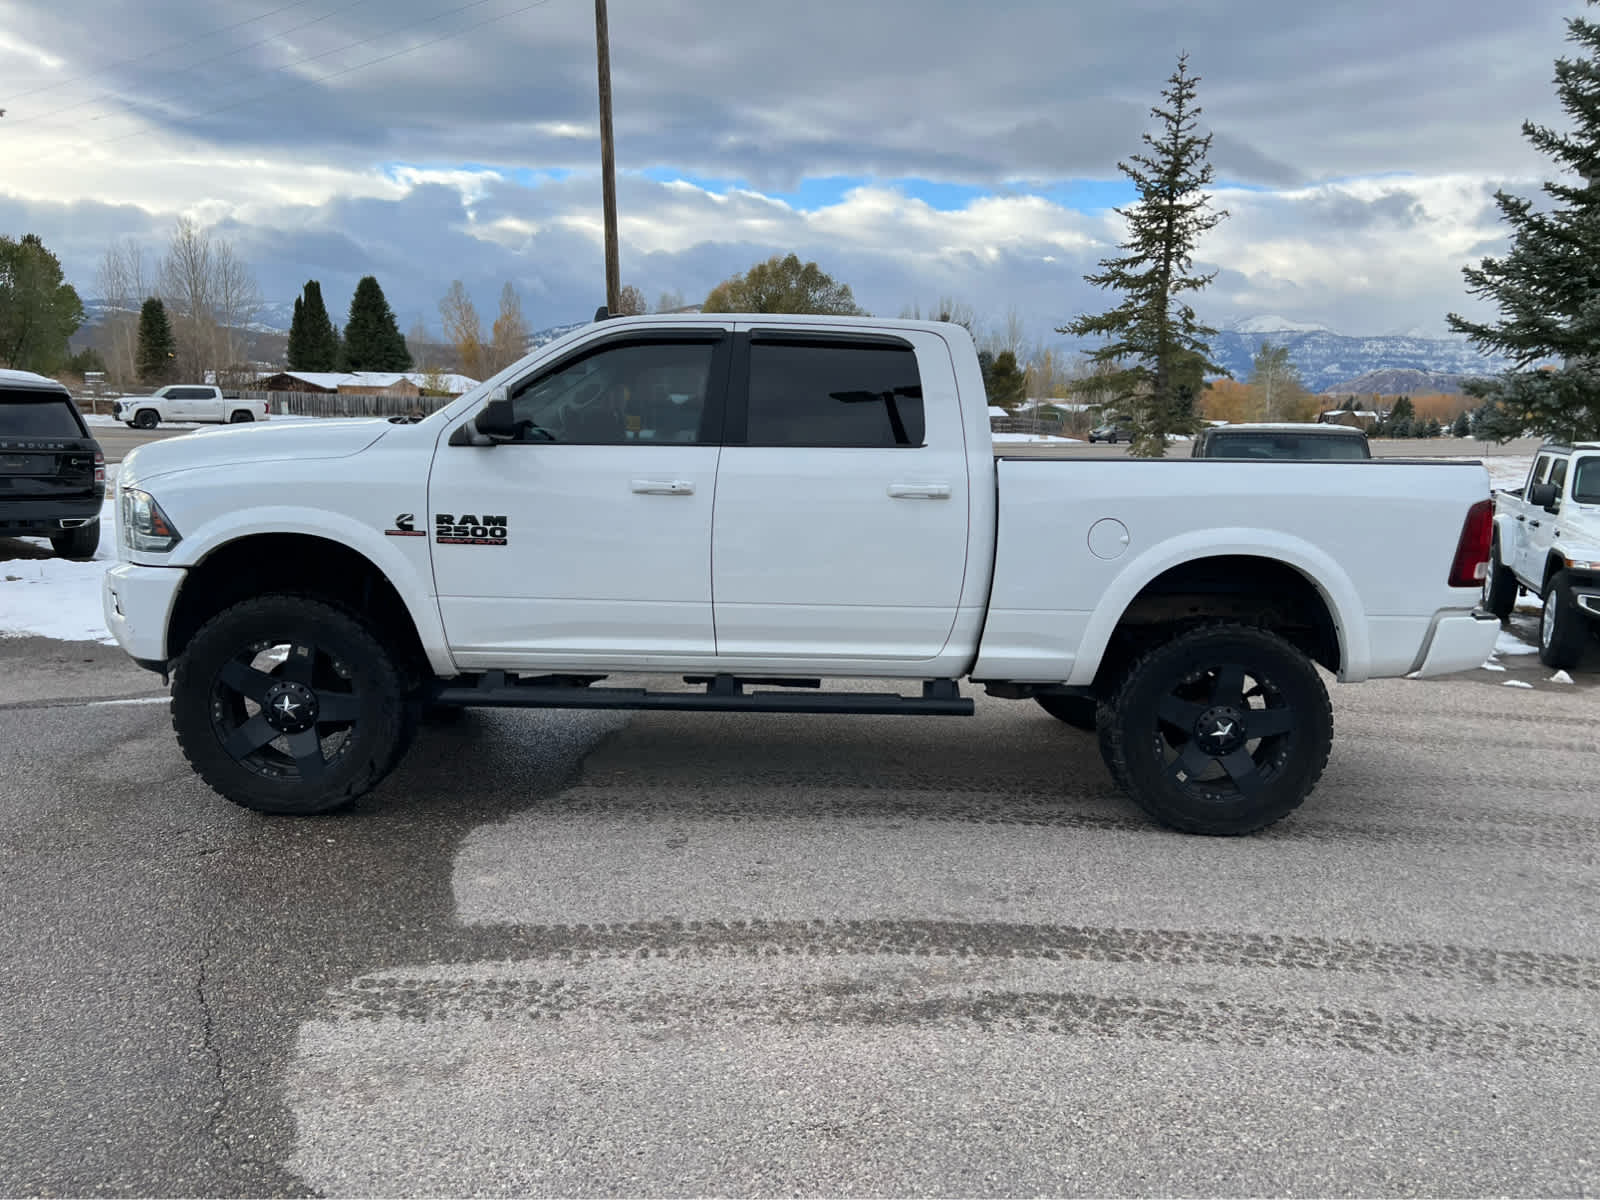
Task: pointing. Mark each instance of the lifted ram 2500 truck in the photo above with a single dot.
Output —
(757, 504)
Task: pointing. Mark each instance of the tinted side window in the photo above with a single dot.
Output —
(638, 392)
(1586, 482)
(834, 394)
(1541, 469)
(38, 418)
(1558, 475)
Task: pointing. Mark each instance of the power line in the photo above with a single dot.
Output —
(335, 74)
(204, 62)
(122, 62)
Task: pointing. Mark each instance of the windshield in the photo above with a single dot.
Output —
(1586, 482)
(1286, 446)
(37, 414)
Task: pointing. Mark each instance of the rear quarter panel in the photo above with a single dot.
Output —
(1376, 538)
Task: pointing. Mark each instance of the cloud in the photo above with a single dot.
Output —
(1360, 142)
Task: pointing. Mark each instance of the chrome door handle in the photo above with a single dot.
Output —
(663, 487)
(919, 491)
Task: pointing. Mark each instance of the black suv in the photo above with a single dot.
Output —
(52, 474)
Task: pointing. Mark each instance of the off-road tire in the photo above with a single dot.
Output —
(80, 543)
(1077, 711)
(209, 712)
(1563, 630)
(1182, 712)
(1499, 585)
(145, 418)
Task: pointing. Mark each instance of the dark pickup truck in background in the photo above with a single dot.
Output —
(1282, 440)
(52, 473)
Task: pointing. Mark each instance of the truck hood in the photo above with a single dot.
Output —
(254, 442)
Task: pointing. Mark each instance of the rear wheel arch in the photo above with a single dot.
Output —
(1250, 590)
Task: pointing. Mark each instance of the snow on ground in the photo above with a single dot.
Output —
(92, 419)
(56, 598)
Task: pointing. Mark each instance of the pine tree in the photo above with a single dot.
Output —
(1156, 343)
(157, 351)
(295, 351)
(1548, 283)
(1462, 427)
(372, 338)
(1005, 383)
(317, 348)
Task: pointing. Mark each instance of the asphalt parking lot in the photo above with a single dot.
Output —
(585, 953)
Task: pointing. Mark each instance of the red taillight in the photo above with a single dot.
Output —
(1472, 549)
(99, 467)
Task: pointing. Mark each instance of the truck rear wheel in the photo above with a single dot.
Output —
(240, 416)
(284, 704)
(1562, 628)
(1499, 585)
(1222, 730)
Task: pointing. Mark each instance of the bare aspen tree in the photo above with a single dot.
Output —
(124, 284)
(510, 330)
(464, 331)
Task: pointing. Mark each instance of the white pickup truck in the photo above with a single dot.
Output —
(1547, 541)
(757, 505)
(187, 402)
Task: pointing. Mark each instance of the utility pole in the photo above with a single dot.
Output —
(608, 161)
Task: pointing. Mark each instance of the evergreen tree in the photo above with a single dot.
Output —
(39, 311)
(1157, 345)
(1005, 382)
(372, 338)
(1462, 427)
(157, 351)
(295, 351)
(313, 344)
(1547, 283)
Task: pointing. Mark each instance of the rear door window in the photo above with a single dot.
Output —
(41, 415)
(823, 392)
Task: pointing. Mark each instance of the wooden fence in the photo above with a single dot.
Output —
(344, 404)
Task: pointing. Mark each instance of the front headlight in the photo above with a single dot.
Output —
(144, 525)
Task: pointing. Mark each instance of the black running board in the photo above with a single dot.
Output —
(723, 693)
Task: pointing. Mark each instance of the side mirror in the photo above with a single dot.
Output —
(1543, 495)
(494, 423)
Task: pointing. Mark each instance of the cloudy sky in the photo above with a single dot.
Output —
(914, 148)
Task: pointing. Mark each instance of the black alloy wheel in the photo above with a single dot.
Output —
(1223, 730)
(146, 418)
(287, 705)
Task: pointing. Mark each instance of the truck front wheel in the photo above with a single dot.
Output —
(284, 704)
(145, 418)
(1562, 628)
(1222, 730)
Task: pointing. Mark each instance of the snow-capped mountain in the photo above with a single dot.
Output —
(1326, 359)
(273, 316)
(1275, 325)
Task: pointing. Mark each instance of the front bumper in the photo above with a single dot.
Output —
(138, 603)
(1458, 641)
